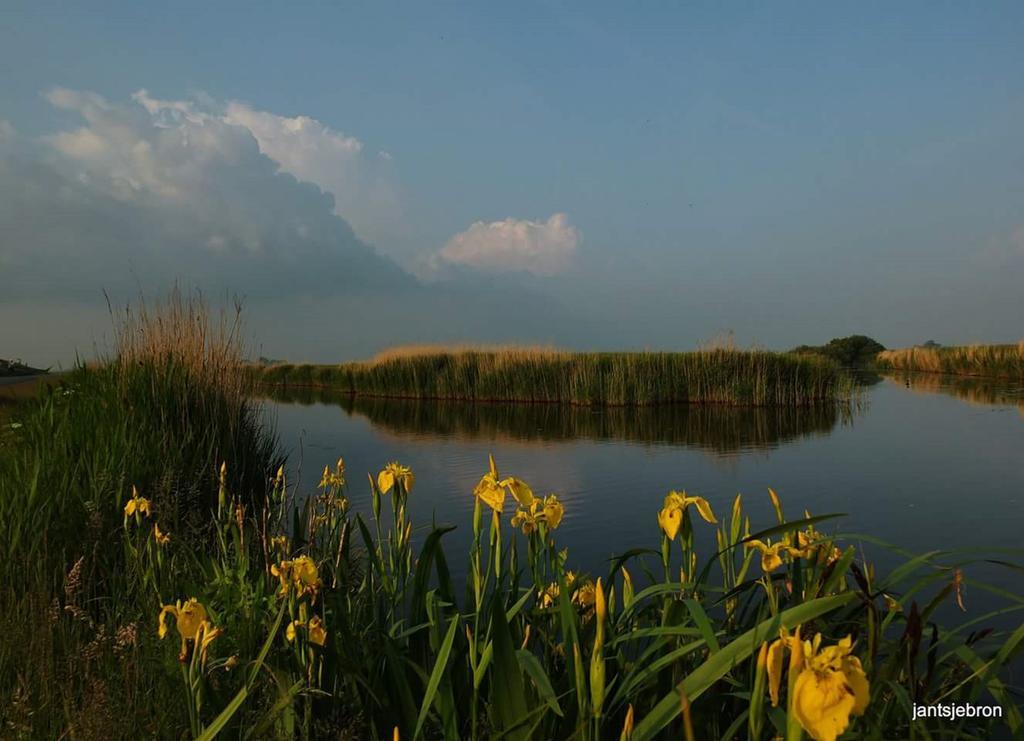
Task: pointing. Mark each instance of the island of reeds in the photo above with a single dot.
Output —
(538, 375)
(162, 578)
(993, 361)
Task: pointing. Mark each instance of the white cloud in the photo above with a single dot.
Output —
(301, 146)
(539, 247)
(7, 131)
(161, 189)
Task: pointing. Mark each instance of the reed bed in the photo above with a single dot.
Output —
(725, 376)
(996, 361)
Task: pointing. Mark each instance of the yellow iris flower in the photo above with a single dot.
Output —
(526, 518)
(137, 505)
(190, 620)
(549, 595)
(300, 573)
(159, 536)
(315, 630)
(670, 518)
(330, 479)
(831, 687)
(491, 489)
(553, 511)
(393, 472)
(550, 512)
(585, 595)
(771, 553)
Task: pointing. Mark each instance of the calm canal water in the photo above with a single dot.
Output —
(925, 462)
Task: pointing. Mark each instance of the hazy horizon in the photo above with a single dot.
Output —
(582, 176)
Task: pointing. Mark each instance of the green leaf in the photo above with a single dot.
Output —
(435, 676)
(703, 623)
(533, 667)
(508, 695)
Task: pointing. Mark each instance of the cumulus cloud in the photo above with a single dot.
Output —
(155, 188)
(308, 149)
(543, 248)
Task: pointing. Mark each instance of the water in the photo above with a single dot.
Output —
(924, 462)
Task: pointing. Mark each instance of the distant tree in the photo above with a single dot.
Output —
(856, 349)
(931, 344)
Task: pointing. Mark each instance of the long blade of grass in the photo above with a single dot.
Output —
(435, 676)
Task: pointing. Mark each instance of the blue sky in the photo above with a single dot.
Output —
(792, 172)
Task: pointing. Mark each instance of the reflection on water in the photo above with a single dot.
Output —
(723, 430)
(984, 391)
(901, 470)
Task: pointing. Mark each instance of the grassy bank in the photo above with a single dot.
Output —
(995, 361)
(747, 378)
(151, 592)
(157, 414)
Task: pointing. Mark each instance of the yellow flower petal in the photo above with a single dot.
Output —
(670, 519)
(770, 560)
(189, 617)
(317, 632)
(385, 481)
(553, 511)
(166, 610)
(704, 508)
(491, 494)
(520, 491)
(822, 703)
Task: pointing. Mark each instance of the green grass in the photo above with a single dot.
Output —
(994, 361)
(742, 378)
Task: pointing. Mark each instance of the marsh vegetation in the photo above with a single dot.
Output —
(994, 361)
(538, 375)
(162, 577)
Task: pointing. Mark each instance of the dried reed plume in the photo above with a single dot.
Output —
(179, 331)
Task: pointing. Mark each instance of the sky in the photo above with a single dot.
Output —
(590, 175)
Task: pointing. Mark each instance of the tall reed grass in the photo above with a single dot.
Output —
(997, 361)
(743, 378)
